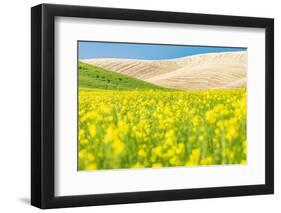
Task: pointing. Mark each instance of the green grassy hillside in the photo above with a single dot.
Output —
(95, 77)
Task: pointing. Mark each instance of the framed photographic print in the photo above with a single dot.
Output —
(139, 106)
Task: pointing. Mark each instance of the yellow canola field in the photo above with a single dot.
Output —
(154, 128)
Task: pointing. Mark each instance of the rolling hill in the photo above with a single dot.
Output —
(203, 71)
(95, 77)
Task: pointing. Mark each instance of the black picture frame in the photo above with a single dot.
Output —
(43, 102)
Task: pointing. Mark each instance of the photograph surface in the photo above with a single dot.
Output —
(160, 105)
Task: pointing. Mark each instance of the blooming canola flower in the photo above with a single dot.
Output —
(154, 128)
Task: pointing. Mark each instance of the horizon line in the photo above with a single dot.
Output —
(144, 51)
(167, 59)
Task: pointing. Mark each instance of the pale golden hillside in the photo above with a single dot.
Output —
(204, 71)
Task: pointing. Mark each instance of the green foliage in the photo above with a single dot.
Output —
(98, 78)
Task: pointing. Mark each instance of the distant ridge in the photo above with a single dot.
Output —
(225, 70)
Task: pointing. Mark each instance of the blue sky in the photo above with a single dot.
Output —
(92, 49)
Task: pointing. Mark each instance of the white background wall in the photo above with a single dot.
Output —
(15, 105)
